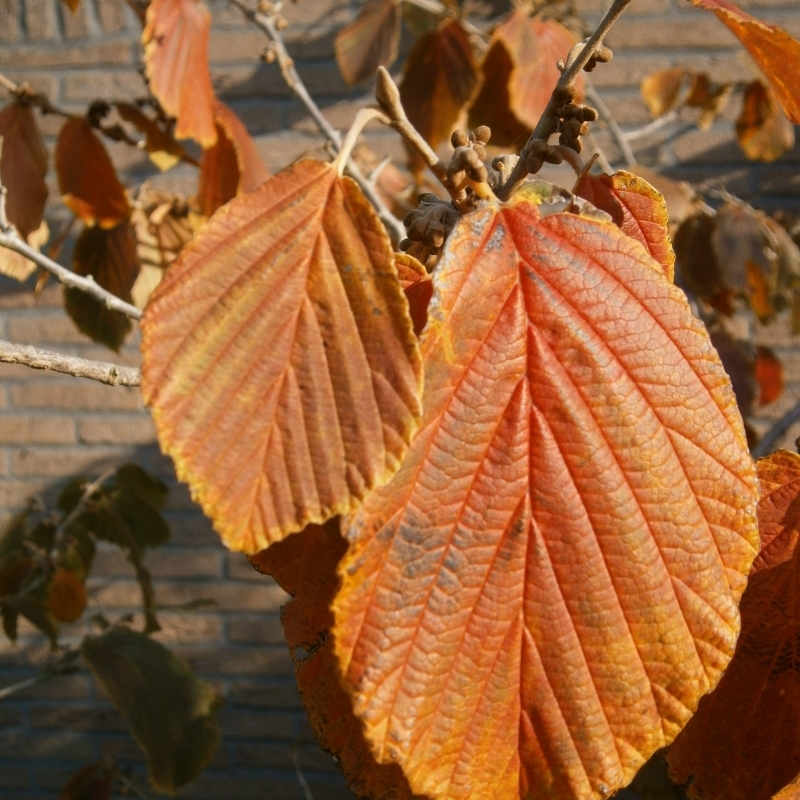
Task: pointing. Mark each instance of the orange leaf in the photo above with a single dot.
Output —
(790, 792)
(109, 256)
(232, 166)
(438, 81)
(662, 89)
(769, 374)
(87, 178)
(536, 601)
(776, 53)
(72, 5)
(66, 596)
(305, 566)
(742, 743)
(418, 288)
(163, 149)
(94, 782)
(763, 131)
(23, 166)
(518, 74)
(369, 41)
(279, 359)
(637, 208)
(710, 98)
(175, 41)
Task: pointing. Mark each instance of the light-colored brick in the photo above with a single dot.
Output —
(10, 30)
(101, 84)
(75, 395)
(44, 329)
(75, 25)
(19, 429)
(162, 563)
(117, 429)
(112, 15)
(61, 461)
(40, 19)
(89, 54)
(252, 629)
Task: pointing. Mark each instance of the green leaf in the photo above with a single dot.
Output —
(71, 494)
(13, 536)
(171, 713)
(35, 610)
(134, 480)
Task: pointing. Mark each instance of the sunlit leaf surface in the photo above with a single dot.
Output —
(280, 361)
(538, 599)
(369, 41)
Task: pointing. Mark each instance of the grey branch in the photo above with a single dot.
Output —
(295, 83)
(10, 238)
(576, 63)
(605, 114)
(102, 371)
(771, 438)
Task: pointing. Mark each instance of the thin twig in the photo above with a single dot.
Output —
(651, 127)
(388, 96)
(605, 114)
(36, 358)
(294, 82)
(777, 432)
(579, 58)
(24, 92)
(7, 691)
(11, 240)
(363, 118)
(301, 779)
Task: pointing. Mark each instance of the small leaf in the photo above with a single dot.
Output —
(637, 208)
(662, 90)
(87, 178)
(709, 98)
(280, 362)
(66, 596)
(439, 79)
(71, 494)
(164, 150)
(232, 166)
(738, 361)
(175, 41)
(35, 610)
(304, 565)
(537, 616)
(763, 131)
(369, 41)
(769, 374)
(171, 713)
(418, 288)
(109, 256)
(94, 782)
(742, 742)
(776, 53)
(518, 74)
(133, 480)
(23, 166)
(72, 5)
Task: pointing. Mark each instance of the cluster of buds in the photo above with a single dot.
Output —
(467, 173)
(574, 118)
(428, 226)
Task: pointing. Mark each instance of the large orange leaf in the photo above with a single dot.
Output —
(439, 78)
(304, 564)
(88, 181)
(232, 166)
(776, 53)
(369, 41)
(279, 357)
(762, 128)
(175, 41)
(743, 742)
(637, 208)
(537, 600)
(518, 74)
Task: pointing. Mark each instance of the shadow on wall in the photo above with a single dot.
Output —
(51, 730)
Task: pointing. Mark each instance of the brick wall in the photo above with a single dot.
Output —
(52, 427)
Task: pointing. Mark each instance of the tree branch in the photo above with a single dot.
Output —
(34, 357)
(24, 92)
(771, 438)
(605, 114)
(295, 83)
(579, 57)
(10, 239)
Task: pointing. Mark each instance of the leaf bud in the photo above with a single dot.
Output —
(483, 133)
(564, 94)
(459, 138)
